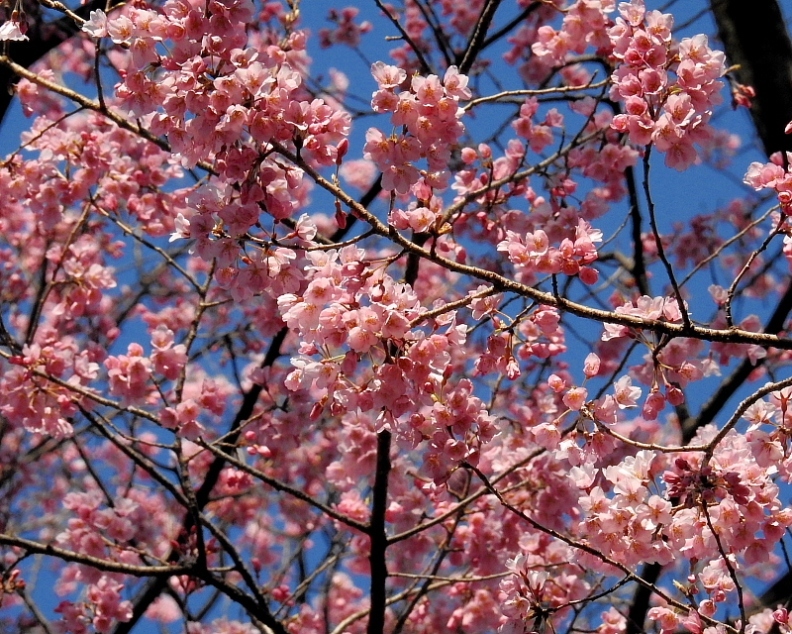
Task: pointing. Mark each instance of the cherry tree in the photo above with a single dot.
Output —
(405, 346)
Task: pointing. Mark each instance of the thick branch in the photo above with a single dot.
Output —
(642, 598)
(479, 35)
(42, 39)
(727, 389)
(504, 283)
(160, 572)
(638, 264)
(660, 592)
(755, 38)
(379, 540)
(765, 64)
(285, 488)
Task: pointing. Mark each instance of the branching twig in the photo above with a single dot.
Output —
(590, 550)
(479, 35)
(658, 240)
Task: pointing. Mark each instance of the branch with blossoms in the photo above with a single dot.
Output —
(386, 379)
(632, 320)
(578, 545)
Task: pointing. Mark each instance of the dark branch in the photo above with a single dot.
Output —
(642, 598)
(42, 39)
(755, 38)
(379, 540)
(507, 28)
(479, 35)
(638, 269)
(365, 200)
(765, 63)
(728, 388)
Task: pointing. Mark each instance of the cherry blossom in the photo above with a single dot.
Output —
(96, 25)
(411, 344)
(12, 31)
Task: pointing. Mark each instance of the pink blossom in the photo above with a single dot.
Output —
(388, 76)
(96, 26)
(575, 398)
(11, 31)
(424, 302)
(626, 393)
(456, 84)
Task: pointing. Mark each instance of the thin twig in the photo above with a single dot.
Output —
(659, 242)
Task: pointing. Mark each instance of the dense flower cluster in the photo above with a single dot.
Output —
(532, 251)
(668, 88)
(462, 397)
(372, 316)
(775, 176)
(256, 97)
(429, 112)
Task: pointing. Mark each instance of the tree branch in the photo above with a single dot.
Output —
(42, 39)
(379, 540)
(479, 35)
(155, 587)
(755, 38)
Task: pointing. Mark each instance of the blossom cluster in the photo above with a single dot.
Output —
(429, 111)
(371, 316)
(775, 176)
(668, 89)
(727, 509)
(346, 31)
(532, 251)
(770, 432)
(228, 402)
(103, 609)
(38, 403)
(539, 336)
(256, 97)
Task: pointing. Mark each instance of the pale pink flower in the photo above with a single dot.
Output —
(625, 392)
(575, 398)
(96, 26)
(388, 76)
(12, 32)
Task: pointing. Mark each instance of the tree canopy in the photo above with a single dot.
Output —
(379, 318)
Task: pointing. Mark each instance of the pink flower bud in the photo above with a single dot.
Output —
(591, 365)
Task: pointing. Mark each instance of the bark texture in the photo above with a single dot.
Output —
(755, 37)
